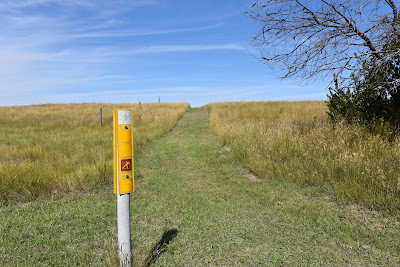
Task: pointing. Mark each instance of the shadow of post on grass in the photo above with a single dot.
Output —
(161, 246)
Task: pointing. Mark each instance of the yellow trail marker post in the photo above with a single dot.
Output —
(123, 180)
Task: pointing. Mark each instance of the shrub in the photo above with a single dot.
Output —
(372, 98)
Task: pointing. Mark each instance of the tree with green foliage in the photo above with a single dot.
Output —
(373, 95)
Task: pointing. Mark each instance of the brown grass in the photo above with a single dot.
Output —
(295, 140)
(46, 148)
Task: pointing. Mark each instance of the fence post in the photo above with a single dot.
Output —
(158, 99)
(101, 117)
(140, 105)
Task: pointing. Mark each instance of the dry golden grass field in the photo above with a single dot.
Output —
(195, 203)
(296, 140)
(47, 148)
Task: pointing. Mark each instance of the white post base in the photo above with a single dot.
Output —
(124, 230)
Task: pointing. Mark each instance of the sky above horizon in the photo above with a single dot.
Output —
(58, 51)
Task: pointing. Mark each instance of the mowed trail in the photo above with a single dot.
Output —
(196, 205)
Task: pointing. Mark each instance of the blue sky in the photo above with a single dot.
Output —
(73, 51)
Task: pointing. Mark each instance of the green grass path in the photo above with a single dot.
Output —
(196, 205)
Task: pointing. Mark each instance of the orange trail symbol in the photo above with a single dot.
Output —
(126, 164)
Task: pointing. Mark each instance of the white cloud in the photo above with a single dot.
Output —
(18, 4)
(147, 95)
(127, 33)
(184, 48)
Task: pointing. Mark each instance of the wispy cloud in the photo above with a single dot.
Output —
(184, 48)
(17, 4)
(197, 95)
(142, 32)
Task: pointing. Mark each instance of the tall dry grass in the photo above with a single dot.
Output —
(295, 140)
(45, 148)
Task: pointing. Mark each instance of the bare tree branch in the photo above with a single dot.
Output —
(394, 8)
(355, 29)
(318, 38)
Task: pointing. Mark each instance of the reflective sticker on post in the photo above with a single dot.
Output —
(124, 117)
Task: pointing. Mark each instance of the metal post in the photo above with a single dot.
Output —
(159, 100)
(124, 229)
(101, 117)
(123, 181)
